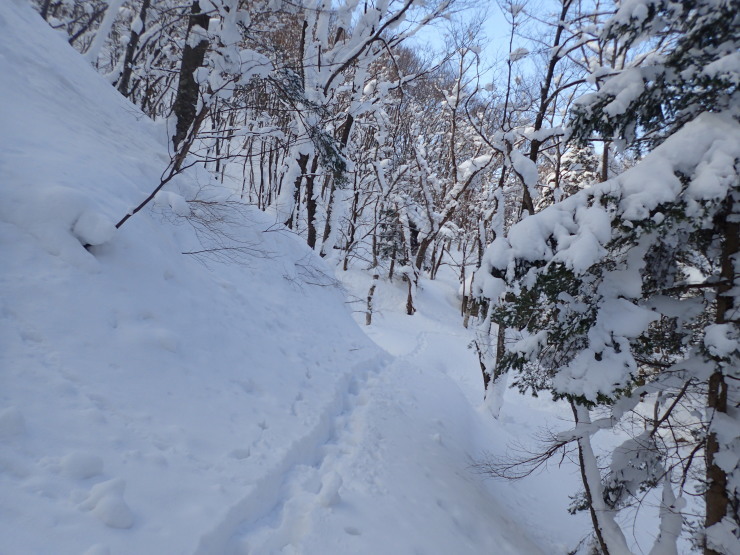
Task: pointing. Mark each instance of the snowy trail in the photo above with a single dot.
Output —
(376, 474)
(270, 507)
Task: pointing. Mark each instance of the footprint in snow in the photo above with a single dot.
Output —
(329, 493)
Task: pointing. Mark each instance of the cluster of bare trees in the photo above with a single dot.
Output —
(378, 153)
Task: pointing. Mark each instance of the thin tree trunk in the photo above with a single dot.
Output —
(370, 294)
(128, 60)
(311, 203)
(410, 299)
(45, 9)
(605, 163)
(609, 535)
(343, 140)
(292, 222)
(544, 105)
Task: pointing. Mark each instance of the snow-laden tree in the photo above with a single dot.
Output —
(626, 293)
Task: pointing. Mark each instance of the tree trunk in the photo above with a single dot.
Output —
(343, 140)
(292, 222)
(605, 163)
(311, 203)
(45, 9)
(409, 299)
(370, 294)
(186, 101)
(422, 252)
(544, 105)
(128, 60)
(608, 533)
(717, 497)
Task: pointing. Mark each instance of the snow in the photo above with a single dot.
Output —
(525, 167)
(137, 26)
(106, 502)
(154, 402)
(81, 465)
(719, 339)
(626, 88)
(518, 54)
(727, 66)
(704, 149)
(438, 385)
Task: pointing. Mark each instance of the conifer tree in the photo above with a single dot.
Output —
(626, 294)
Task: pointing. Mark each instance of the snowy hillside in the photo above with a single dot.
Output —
(153, 402)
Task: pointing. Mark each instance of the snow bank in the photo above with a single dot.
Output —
(143, 394)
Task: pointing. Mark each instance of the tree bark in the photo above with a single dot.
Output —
(544, 105)
(370, 294)
(186, 101)
(605, 163)
(292, 222)
(717, 497)
(128, 60)
(311, 203)
(343, 140)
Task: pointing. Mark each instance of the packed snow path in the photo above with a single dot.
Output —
(390, 470)
(377, 476)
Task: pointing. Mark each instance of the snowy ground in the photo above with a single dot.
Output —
(436, 382)
(150, 403)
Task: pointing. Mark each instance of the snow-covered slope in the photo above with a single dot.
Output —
(151, 404)
(143, 396)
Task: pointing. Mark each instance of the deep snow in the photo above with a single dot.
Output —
(155, 402)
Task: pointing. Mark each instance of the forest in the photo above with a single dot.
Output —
(575, 163)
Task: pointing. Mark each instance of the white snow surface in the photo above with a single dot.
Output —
(150, 403)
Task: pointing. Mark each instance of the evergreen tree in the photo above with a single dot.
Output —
(626, 293)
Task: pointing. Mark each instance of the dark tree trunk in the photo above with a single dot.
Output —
(311, 203)
(544, 105)
(343, 140)
(45, 9)
(605, 163)
(370, 294)
(718, 502)
(186, 101)
(302, 165)
(410, 298)
(128, 60)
